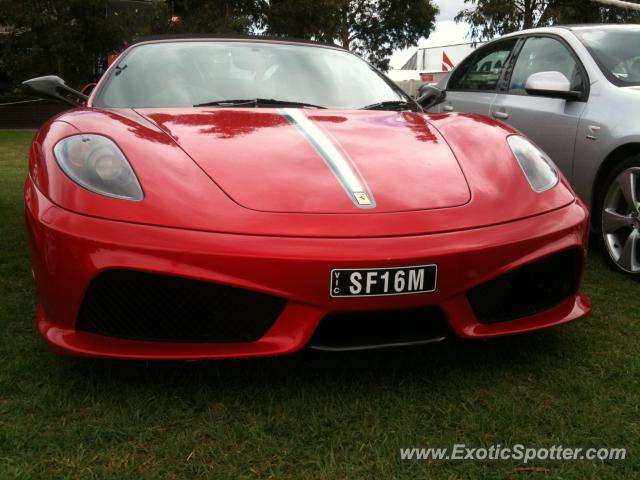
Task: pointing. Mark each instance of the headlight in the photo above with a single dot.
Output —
(97, 164)
(536, 165)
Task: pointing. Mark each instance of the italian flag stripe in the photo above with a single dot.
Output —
(331, 155)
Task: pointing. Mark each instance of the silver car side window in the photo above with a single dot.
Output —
(485, 69)
(544, 54)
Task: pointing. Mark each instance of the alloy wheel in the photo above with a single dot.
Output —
(621, 220)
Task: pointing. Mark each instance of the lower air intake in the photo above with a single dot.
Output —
(527, 290)
(151, 307)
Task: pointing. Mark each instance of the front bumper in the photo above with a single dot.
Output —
(69, 250)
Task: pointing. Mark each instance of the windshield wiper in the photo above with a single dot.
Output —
(226, 103)
(398, 105)
(257, 102)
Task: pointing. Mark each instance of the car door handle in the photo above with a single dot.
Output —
(500, 115)
(448, 108)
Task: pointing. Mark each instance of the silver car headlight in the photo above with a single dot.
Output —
(96, 163)
(536, 165)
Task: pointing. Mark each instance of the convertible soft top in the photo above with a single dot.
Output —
(216, 36)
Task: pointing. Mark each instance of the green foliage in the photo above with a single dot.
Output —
(72, 38)
(219, 16)
(67, 37)
(491, 18)
(371, 28)
(577, 11)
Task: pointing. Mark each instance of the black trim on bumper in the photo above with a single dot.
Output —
(380, 329)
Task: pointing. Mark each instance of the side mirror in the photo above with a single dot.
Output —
(550, 84)
(430, 96)
(54, 87)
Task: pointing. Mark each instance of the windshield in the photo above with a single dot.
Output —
(617, 52)
(190, 73)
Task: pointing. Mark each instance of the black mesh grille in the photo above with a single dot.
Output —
(525, 291)
(144, 306)
(350, 330)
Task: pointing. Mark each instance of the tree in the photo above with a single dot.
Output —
(371, 28)
(577, 11)
(72, 38)
(216, 16)
(68, 37)
(491, 18)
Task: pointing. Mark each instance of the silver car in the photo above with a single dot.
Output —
(576, 92)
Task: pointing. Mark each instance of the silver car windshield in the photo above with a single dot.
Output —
(233, 73)
(617, 52)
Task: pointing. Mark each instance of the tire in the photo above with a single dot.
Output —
(617, 217)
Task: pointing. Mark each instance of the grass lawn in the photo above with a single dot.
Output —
(313, 415)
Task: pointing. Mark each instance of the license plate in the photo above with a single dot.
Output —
(375, 282)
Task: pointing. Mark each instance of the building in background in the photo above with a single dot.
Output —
(430, 65)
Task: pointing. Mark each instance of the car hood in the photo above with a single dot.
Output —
(241, 175)
(319, 161)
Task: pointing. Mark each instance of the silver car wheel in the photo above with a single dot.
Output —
(621, 220)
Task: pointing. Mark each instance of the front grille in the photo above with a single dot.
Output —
(528, 290)
(380, 328)
(145, 306)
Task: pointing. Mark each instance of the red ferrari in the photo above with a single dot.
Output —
(238, 197)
